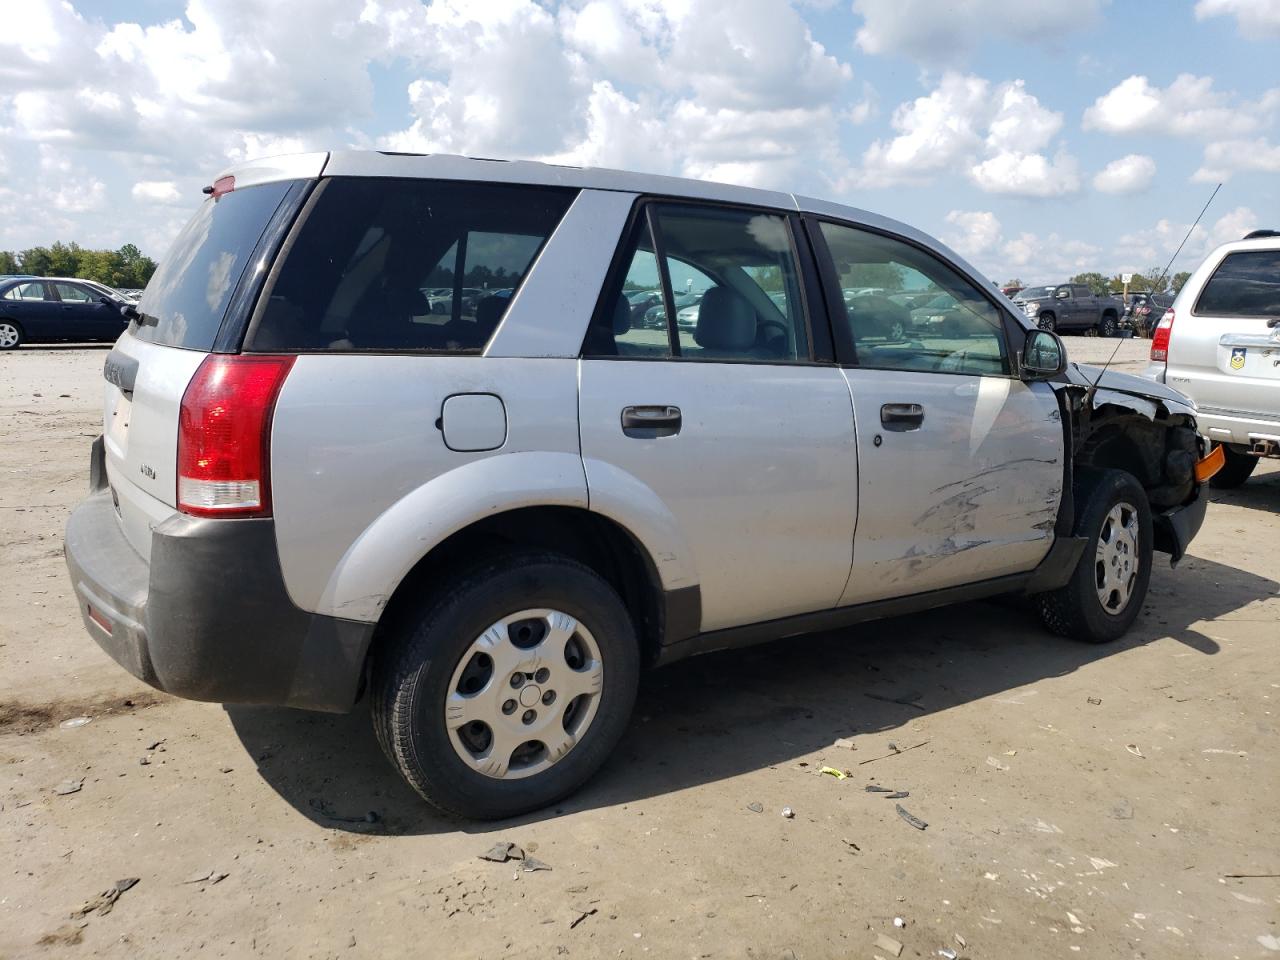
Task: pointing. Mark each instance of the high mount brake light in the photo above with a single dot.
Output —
(224, 435)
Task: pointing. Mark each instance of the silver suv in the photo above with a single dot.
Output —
(1220, 345)
(388, 426)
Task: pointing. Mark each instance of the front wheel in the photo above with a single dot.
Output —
(509, 689)
(1107, 326)
(1106, 591)
(1236, 469)
(10, 335)
(1047, 322)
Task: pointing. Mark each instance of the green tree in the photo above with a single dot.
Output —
(9, 262)
(883, 276)
(126, 267)
(1180, 279)
(1095, 281)
(1012, 283)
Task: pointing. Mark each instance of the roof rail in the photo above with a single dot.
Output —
(1259, 234)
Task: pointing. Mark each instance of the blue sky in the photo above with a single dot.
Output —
(1039, 138)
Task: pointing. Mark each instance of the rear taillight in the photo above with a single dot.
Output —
(1160, 338)
(224, 435)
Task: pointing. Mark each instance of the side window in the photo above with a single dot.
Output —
(1246, 284)
(733, 281)
(72, 293)
(405, 265)
(632, 320)
(27, 291)
(908, 310)
(735, 271)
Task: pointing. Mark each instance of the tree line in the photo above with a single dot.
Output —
(1149, 281)
(125, 268)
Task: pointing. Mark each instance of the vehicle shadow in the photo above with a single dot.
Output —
(1259, 492)
(720, 715)
(60, 347)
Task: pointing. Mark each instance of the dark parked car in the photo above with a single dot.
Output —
(40, 309)
(1145, 310)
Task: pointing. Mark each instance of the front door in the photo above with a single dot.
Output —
(960, 464)
(720, 424)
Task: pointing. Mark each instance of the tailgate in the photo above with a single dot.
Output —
(142, 394)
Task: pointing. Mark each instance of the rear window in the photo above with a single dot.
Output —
(384, 265)
(1246, 284)
(187, 298)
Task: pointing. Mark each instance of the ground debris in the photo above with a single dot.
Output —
(914, 821)
(897, 795)
(322, 808)
(581, 913)
(103, 903)
(788, 813)
(69, 786)
(844, 743)
(889, 944)
(876, 788)
(212, 876)
(533, 864)
(905, 700)
(502, 852)
(895, 752)
(833, 772)
(756, 807)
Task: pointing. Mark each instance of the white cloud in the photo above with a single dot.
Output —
(1253, 17)
(1156, 244)
(931, 32)
(156, 191)
(1129, 174)
(1188, 107)
(975, 231)
(1027, 174)
(1225, 158)
(996, 135)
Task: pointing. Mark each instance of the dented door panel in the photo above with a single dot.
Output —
(972, 494)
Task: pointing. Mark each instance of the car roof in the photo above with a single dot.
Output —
(376, 163)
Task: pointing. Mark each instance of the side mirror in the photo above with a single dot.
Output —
(1063, 293)
(1043, 356)
(105, 300)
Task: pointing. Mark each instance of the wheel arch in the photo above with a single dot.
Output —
(598, 542)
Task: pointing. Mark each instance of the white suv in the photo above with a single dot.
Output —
(1220, 345)
(389, 425)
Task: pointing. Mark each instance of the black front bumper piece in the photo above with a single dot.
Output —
(209, 618)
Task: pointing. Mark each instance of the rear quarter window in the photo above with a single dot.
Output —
(1246, 284)
(187, 298)
(389, 265)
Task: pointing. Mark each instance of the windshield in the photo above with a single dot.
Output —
(1037, 290)
(185, 301)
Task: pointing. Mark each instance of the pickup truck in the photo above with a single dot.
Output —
(1070, 306)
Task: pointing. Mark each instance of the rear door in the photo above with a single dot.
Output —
(1225, 353)
(34, 305)
(207, 276)
(727, 423)
(959, 462)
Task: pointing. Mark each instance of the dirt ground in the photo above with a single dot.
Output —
(1081, 801)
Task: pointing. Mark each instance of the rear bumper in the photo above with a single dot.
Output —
(1239, 427)
(209, 618)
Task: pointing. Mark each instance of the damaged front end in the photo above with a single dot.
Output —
(1122, 422)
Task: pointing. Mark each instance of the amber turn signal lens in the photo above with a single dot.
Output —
(1210, 465)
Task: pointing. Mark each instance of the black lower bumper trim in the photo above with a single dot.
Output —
(1175, 529)
(209, 618)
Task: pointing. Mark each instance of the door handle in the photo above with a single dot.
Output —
(901, 417)
(646, 423)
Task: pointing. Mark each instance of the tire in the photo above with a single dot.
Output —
(10, 335)
(430, 658)
(1107, 325)
(1077, 610)
(897, 331)
(1047, 321)
(1235, 471)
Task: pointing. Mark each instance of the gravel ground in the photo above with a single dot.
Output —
(1081, 801)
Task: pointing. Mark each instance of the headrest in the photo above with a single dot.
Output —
(726, 321)
(621, 316)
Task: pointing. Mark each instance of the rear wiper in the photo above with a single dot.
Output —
(131, 312)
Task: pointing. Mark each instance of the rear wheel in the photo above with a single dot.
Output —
(1106, 591)
(510, 688)
(1235, 471)
(10, 335)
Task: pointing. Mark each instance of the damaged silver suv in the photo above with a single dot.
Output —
(404, 427)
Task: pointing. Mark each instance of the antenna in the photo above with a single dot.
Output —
(1154, 287)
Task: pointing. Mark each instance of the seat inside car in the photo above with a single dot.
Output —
(727, 326)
